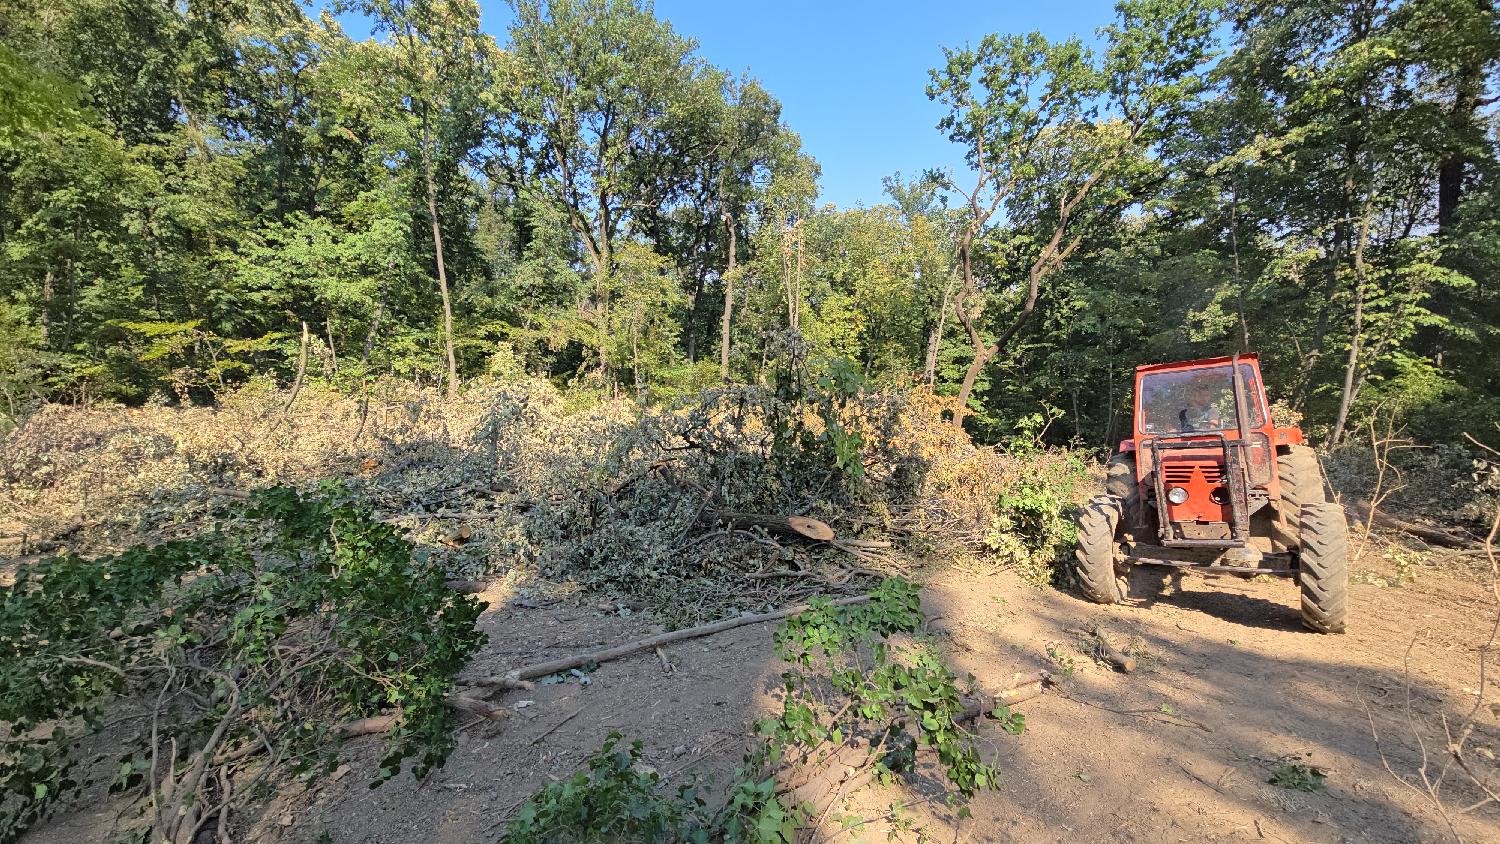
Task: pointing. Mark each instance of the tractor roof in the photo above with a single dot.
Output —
(1194, 364)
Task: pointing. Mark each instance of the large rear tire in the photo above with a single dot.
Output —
(1120, 482)
(1324, 560)
(1301, 478)
(1301, 484)
(1094, 558)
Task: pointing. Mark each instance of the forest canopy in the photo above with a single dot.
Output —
(194, 195)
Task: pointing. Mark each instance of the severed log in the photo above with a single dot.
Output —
(1022, 692)
(793, 526)
(466, 587)
(377, 724)
(542, 669)
(1361, 510)
(1111, 653)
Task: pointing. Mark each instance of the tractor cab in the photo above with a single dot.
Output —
(1211, 435)
(1208, 481)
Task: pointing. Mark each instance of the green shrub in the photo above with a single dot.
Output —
(1033, 522)
(619, 800)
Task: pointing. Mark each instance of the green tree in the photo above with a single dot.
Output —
(444, 63)
(587, 101)
(1059, 140)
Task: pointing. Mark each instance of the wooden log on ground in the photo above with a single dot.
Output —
(1112, 654)
(1436, 536)
(542, 669)
(377, 724)
(792, 526)
(1019, 693)
(467, 587)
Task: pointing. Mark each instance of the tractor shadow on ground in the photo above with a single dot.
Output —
(1226, 597)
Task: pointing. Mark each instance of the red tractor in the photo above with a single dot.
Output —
(1208, 481)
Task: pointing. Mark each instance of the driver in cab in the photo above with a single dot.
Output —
(1200, 414)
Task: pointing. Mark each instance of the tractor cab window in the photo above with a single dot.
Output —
(1194, 400)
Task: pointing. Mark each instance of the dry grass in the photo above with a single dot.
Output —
(608, 494)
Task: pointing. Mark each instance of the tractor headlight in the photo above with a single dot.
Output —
(1177, 494)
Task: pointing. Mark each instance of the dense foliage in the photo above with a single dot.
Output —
(194, 193)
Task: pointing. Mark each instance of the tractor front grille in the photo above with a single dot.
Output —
(1178, 473)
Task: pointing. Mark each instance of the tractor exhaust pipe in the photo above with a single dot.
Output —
(1241, 419)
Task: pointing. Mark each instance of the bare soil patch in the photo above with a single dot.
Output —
(1229, 687)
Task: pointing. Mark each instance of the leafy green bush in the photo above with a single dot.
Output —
(614, 800)
(618, 799)
(898, 697)
(1033, 520)
(255, 644)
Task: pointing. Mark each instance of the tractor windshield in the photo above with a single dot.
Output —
(1192, 400)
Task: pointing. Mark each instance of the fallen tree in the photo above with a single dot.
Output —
(1437, 536)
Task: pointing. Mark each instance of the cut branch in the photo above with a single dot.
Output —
(1436, 536)
(377, 724)
(793, 526)
(532, 672)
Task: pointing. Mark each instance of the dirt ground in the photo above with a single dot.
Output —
(1229, 686)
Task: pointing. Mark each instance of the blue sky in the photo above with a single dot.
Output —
(851, 76)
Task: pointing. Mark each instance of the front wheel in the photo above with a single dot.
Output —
(1324, 553)
(1094, 558)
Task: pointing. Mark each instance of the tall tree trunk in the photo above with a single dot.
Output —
(695, 306)
(1239, 280)
(437, 247)
(1356, 338)
(47, 296)
(635, 357)
(724, 321)
(1314, 351)
(792, 277)
(1468, 87)
(364, 357)
(935, 339)
(695, 297)
(1051, 258)
(1109, 392)
(333, 352)
(601, 287)
(982, 356)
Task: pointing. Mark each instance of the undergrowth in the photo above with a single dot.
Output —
(245, 651)
(1034, 515)
(611, 495)
(863, 693)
